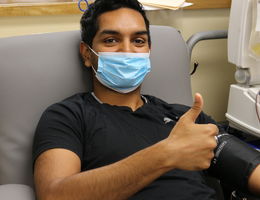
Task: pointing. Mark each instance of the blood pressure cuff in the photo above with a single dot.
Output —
(234, 161)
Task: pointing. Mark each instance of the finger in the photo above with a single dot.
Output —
(211, 129)
(196, 108)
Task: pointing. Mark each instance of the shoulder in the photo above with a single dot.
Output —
(74, 110)
(178, 109)
(73, 104)
(75, 100)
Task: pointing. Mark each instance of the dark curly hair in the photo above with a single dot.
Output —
(89, 22)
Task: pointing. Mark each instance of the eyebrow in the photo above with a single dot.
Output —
(113, 32)
(141, 33)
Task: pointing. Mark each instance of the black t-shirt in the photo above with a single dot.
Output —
(101, 134)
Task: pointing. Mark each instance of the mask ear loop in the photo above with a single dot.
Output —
(94, 69)
(79, 5)
(96, 55)
(93, 51)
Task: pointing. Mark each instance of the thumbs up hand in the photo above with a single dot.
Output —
(192, 145)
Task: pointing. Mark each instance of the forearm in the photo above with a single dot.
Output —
(254, 181)
(116, 181)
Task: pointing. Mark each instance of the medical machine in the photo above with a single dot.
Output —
(244, 51)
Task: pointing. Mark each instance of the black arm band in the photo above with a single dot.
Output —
(234, 161)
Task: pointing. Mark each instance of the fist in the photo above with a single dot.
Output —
(192, 145)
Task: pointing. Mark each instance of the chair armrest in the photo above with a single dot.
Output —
(16, 192)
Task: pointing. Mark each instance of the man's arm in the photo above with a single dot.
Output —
(58, 176)
(254, 181)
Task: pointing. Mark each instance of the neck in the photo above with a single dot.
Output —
(132, 100)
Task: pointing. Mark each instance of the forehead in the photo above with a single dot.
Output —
(122, 20)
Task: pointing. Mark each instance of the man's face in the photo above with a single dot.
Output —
(121, 30)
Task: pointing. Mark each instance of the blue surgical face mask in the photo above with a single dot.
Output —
(122, 72)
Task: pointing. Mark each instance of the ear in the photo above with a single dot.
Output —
(86, 54)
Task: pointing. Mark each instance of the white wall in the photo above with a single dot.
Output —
(212, 78)
(214, 74)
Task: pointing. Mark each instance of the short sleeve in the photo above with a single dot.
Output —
(60, 126)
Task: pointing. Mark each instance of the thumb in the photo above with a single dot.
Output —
(196, 108)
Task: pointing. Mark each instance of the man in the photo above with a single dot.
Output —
(112, 143)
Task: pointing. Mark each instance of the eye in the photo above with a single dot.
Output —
(139, 41)
(110, 40)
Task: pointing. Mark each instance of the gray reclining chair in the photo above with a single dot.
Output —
(39, 70)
